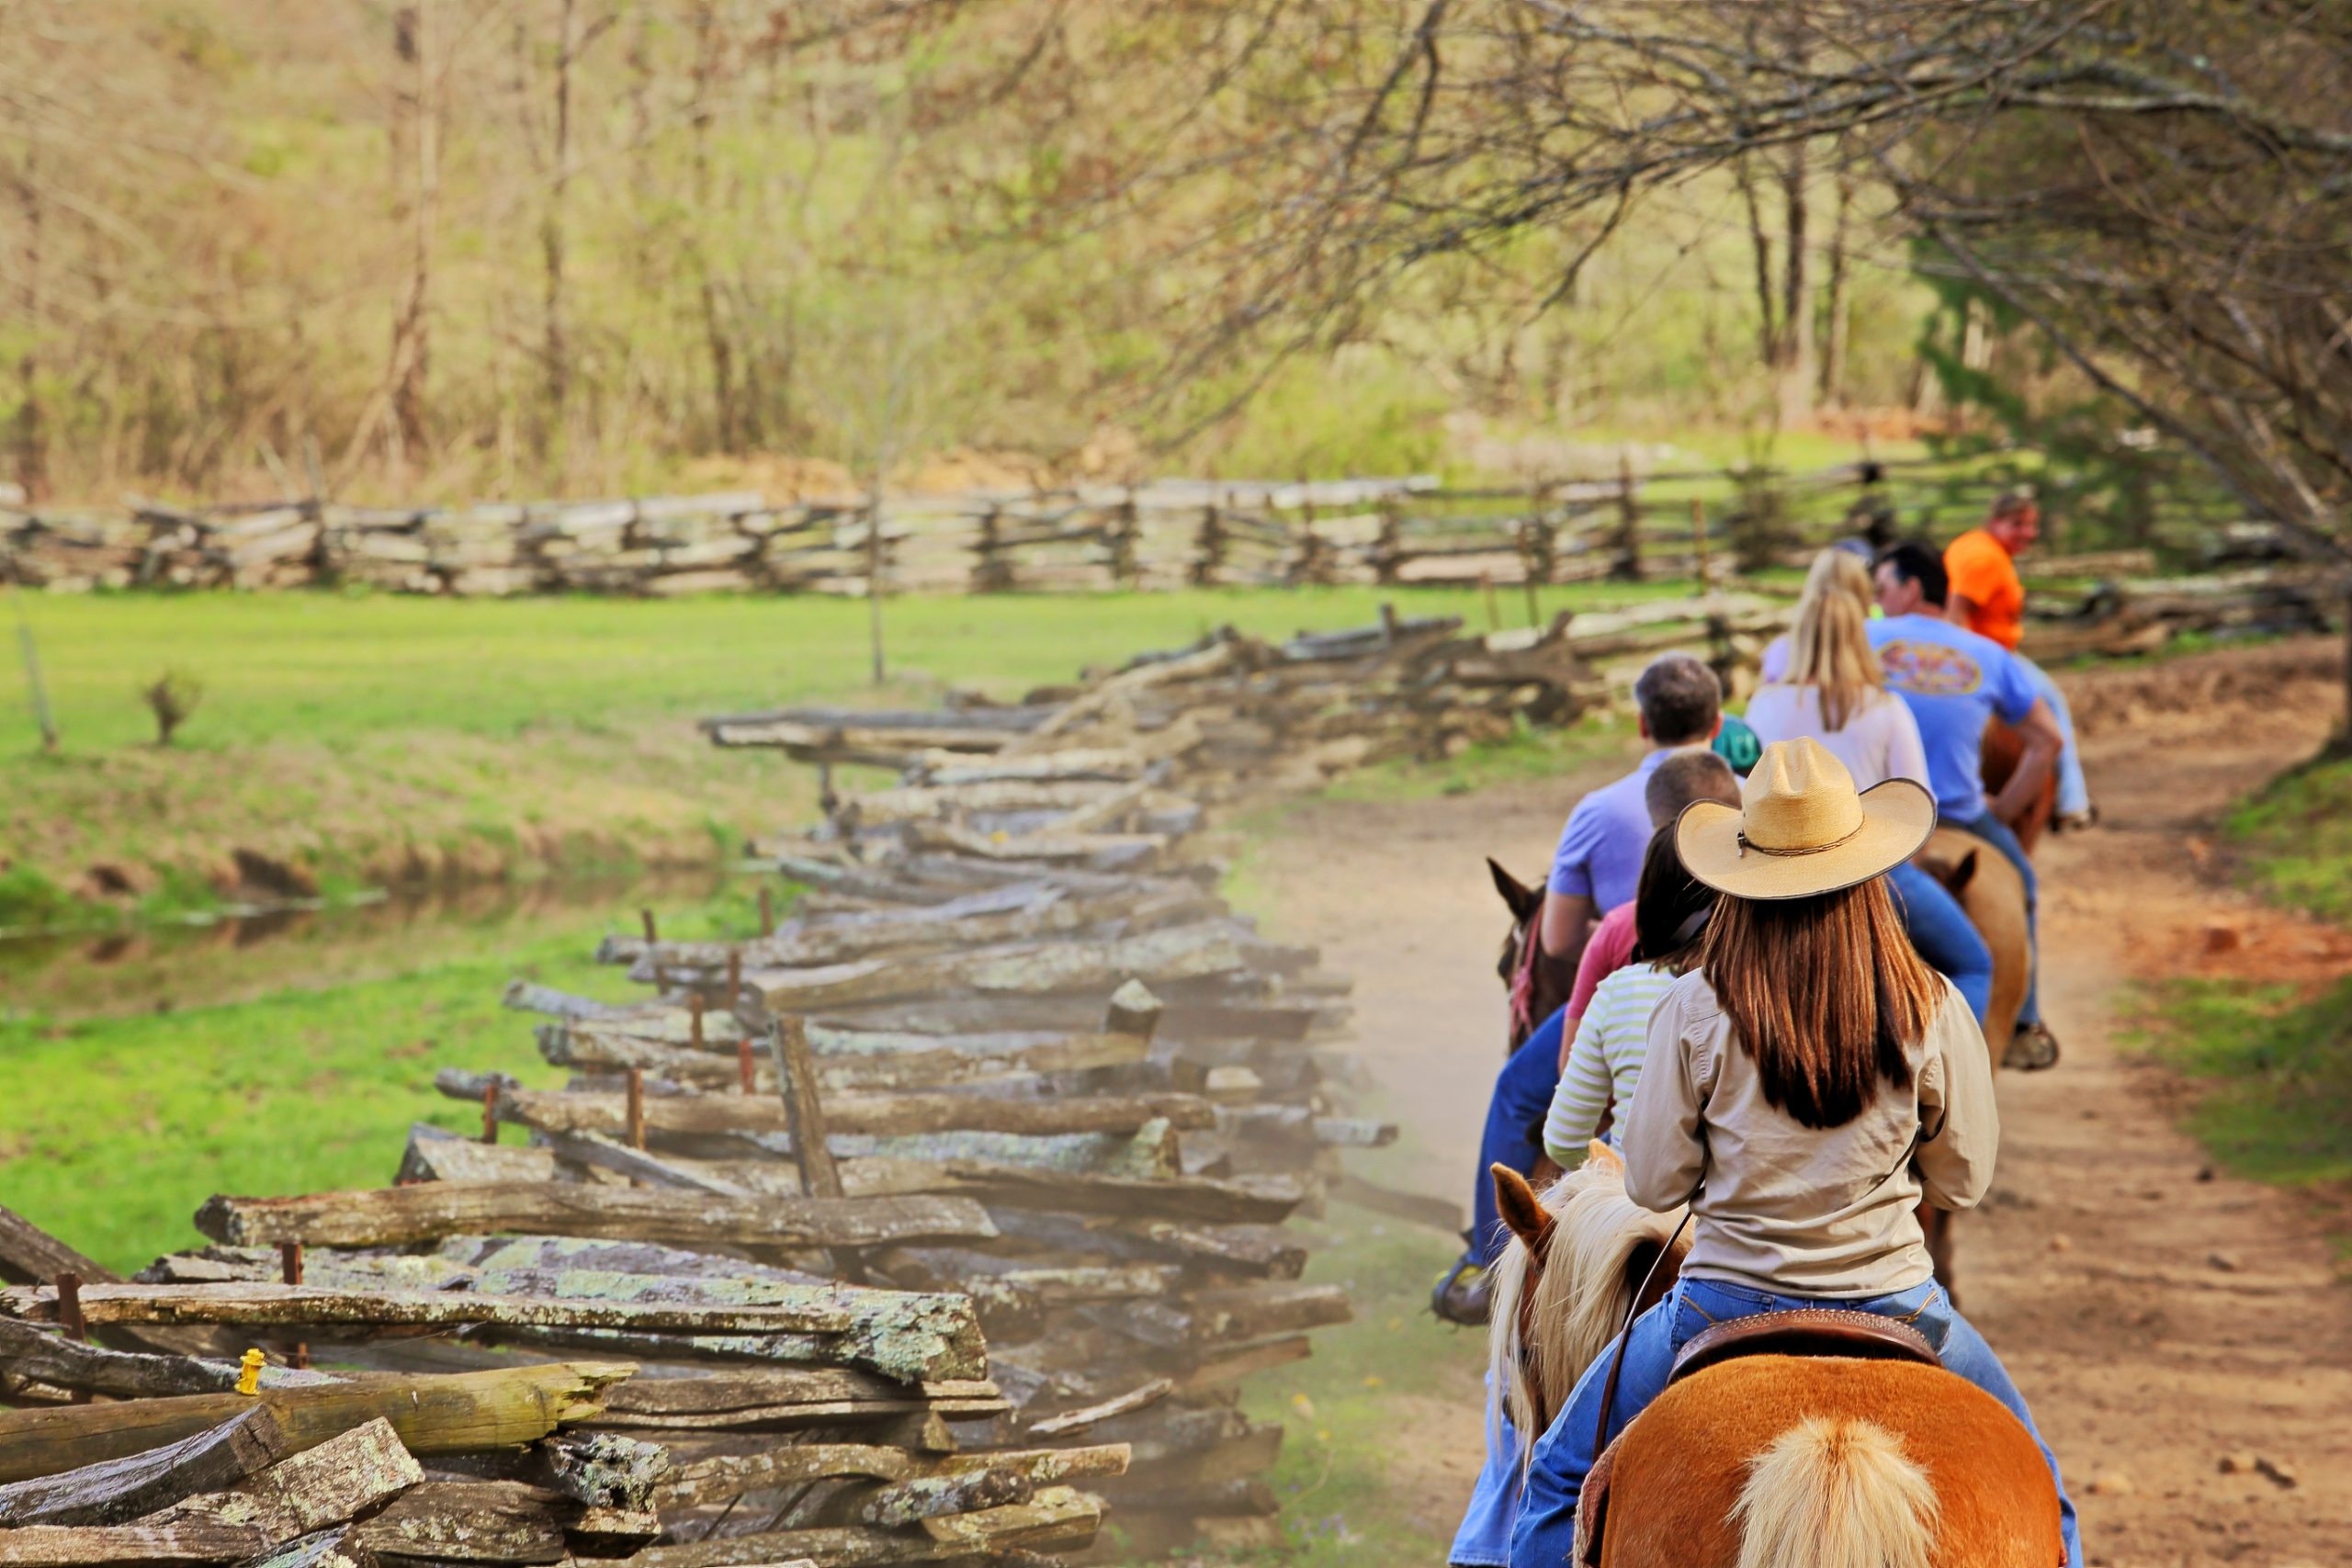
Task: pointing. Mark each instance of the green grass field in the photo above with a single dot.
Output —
(368, 738)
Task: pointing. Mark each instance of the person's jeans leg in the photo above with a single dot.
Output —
(1966, 1354)
(1544, 1534)
(1995, 833)
(2074, 790)
(1514, 1134)
(1940, 928)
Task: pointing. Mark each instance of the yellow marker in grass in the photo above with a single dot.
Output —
(248, 1380)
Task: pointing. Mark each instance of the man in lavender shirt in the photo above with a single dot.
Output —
(1599, 855)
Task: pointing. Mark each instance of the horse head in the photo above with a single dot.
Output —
(1579, 1255)
(1526, 904)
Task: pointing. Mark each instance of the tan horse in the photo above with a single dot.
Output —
(1767, 1461)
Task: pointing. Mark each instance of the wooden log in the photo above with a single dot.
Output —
(29, 1254)
(869, 1114)
(115, 1492)
(1124, 1404)
(740, 1396)
(337, 1546)
(1058, 1516)
(603, 1470)
(723, 1476)
(468, 1521)
(903, 1502)
(432, 1415)
(56, 1546)
(344, 1476)
(434, 1209)
(805, 1111)
(28, 1354)
(1216, 1317)
(813, 1311)
(604, 1153)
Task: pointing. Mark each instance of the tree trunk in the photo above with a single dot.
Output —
(551, 237)
(714, 325)
(32, 433)
(411, 338)
(1795, 364)
(1767, 315)
(1840, 301)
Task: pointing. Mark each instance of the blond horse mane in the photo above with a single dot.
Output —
(1582, 1290)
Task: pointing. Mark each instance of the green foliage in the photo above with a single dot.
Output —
(30, 900)
(2279, 1103)
(2294, 838)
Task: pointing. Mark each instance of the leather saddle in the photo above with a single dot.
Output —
(1800, 1331)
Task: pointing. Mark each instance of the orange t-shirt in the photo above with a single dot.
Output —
(1982, 573)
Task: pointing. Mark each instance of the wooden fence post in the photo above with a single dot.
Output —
(1627, 567)
(1388, 547)
(1700, 562)
(1127, 523)
(1208, 548)
(795, 1067)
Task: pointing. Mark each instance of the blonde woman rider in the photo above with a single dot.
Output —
(1832, 690)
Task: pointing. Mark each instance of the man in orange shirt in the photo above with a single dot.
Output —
(1987, 597)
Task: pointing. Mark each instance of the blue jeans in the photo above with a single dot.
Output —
(1484, 1539)
(1514, 1134)
(1544, 1534)
(1940, 928)
(2074, 790)
(1995, 833)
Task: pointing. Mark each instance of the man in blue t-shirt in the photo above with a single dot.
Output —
(1955, 682)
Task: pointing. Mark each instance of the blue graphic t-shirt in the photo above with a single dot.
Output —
(1954, 682)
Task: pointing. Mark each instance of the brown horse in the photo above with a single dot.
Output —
(1992, 895)
(1768, 1462)
(1534, 996)
(2004, 750)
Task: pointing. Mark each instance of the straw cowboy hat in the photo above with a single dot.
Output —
(1800, 828)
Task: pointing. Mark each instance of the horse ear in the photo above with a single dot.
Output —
(1600, 1154)
(1963, 874)
(1519, 898)
(1516, 1201)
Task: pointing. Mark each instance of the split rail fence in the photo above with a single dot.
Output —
(1168, 534)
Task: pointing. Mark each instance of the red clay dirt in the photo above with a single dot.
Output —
(2162, 1319)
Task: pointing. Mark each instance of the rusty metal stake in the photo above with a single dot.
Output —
(743, 1064)
(637, 1108)
(735, 982)
(69, 1318)
(767, 914)
(693, 1019)
(647, 915)
(290, 1267)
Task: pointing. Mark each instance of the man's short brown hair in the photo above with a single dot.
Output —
(1680, 698)
(1684, 777)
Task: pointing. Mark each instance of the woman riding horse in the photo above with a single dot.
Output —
(1801, 1089)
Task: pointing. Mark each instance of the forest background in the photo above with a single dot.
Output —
(424, 250)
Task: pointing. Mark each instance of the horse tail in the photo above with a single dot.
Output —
(1836, 1491)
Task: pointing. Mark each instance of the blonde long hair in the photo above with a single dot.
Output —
(1830, 646)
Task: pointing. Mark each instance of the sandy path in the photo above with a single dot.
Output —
(2158, 1316)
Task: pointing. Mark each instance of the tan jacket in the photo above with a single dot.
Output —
(1796, 1209)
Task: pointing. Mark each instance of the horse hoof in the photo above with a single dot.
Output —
(2032, 1049)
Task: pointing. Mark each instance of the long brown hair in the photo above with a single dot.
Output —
(1824, 994)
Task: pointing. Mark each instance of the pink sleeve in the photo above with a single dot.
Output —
(1611, 947)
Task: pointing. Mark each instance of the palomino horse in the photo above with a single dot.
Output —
(1579, 1255)
(1766, 1461)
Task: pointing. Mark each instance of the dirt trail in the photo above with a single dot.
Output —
(2158, 1315)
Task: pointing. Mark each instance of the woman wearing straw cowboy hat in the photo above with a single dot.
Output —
(1802, 1087)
